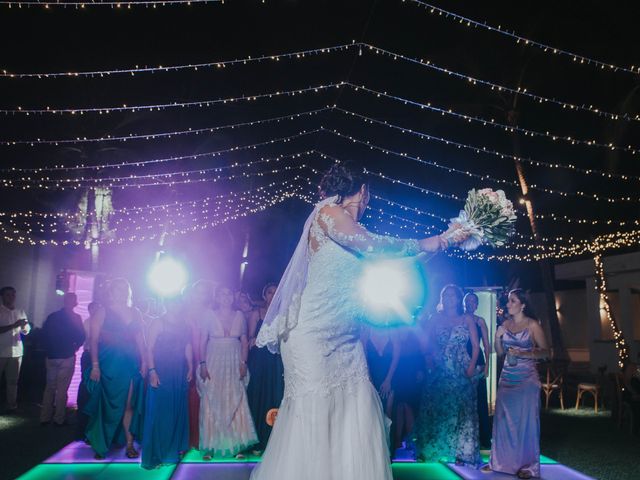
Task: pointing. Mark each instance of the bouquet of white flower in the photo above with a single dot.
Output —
(488, 218)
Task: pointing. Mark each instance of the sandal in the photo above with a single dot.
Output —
(486, 469)
(131, 452)
(524, 474)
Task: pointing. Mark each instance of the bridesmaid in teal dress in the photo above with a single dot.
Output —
(266, 381)
(115, 406)
(166, 426)
(447, 427)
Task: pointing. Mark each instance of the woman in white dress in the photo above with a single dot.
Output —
(330, 424)
(226, 427)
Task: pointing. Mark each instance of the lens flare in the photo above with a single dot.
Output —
(391, 290)
(167, 277)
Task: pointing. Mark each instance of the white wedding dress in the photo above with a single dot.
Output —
(331, 425)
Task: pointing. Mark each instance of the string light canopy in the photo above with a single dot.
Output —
(310, 113)
(491, 123)
(214, 212)
(160, 135)
(484, 177)
(477, 149)
(360, 46)
(164, 160)
(519, 39)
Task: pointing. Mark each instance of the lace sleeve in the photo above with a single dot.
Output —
(343, 229)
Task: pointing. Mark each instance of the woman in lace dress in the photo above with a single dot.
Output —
(226, 427)
(330, 425)
(447, 428)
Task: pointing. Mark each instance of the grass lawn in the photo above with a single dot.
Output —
(590, 443)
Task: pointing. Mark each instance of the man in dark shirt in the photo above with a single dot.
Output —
(62, 335)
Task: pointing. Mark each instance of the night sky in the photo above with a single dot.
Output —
(101, 38)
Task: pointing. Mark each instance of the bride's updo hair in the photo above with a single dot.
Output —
(343, 179)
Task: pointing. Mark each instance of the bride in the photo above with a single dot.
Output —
(330, 424)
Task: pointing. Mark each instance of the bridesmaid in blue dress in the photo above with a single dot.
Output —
(516, 423)
(447, 428)
(266, 374)
(166, 427)
(118, 365)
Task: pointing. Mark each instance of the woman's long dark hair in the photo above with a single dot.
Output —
(459, 294)
(523, 296)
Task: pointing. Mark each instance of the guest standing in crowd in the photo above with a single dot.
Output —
(482, 365)
(448, 425)
(266, 384)
(169, 354)
(13, 324)
(226, 427)
(516, 423)
(198, 302)
(383, 354)
(118, 365)
(62, 335)
(407, 385)
(85, 365)
(244, 304)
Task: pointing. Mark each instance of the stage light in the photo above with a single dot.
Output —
(167, 277)
(391, 291)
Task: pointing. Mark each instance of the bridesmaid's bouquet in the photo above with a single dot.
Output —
(488, 218)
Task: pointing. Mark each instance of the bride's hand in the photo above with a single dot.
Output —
(433, 244)
(456, 234)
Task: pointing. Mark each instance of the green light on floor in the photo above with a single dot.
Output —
(99, 471)
(423, 471)
(543, 460)
(195, 456)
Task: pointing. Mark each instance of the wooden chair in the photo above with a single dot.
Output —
(593, 389)
(554, 383)
(624, 408)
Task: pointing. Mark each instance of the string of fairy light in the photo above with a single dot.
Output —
(605, 303)
(521, 40)
(164, 160)
(485, 177)
(115, 4)
(105, 110)
(154, 178)
(310, 113)
(573, 248)
(303, 54)
(553, 243)
(80, 182)
(159, 135)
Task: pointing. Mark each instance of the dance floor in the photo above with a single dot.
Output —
(76, 462)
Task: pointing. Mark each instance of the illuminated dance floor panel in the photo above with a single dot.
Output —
(76, 462)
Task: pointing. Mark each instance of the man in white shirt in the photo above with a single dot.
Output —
(13, 324)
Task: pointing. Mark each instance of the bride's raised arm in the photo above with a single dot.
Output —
(340, 226)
